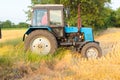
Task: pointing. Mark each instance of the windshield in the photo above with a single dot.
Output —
(40, 17)
(56, 17)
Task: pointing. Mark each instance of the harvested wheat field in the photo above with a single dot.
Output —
(67, 65)
(12, 34)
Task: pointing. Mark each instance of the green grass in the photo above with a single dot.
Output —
(13, 42)
(16, 53)
(15, 56)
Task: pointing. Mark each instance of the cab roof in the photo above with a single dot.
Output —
(48, 6)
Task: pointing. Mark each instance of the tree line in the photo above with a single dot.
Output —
(95, 13)
(9, 24)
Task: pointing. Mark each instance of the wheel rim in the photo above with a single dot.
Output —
(41, 45)
(92, 53)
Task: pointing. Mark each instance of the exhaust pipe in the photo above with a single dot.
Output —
(79, 19)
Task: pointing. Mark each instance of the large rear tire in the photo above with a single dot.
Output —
(91, 50)
(41, 42)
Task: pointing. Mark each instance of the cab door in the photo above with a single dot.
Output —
(56, 21)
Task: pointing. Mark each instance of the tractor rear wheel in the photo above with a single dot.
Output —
(41, 42)
(91, 50)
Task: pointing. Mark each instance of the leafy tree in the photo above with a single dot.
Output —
(117, 18)
(110, 19)
(6, 24)
(9, 24)
(45, 2)
(22, 25)
(29, 13)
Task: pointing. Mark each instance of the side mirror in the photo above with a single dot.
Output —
(67, 12)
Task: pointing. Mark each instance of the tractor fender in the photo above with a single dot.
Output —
(86, 42)
(30, 29)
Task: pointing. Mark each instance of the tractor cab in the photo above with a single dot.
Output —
(48, 15)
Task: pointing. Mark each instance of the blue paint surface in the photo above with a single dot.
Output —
(71, 29)
(88, 34)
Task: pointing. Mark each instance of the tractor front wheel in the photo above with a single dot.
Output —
(91, 50)
(41, 42)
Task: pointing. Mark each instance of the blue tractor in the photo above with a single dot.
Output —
(48, 32)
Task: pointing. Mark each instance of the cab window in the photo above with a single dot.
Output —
(40, 17)
(56, 17)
